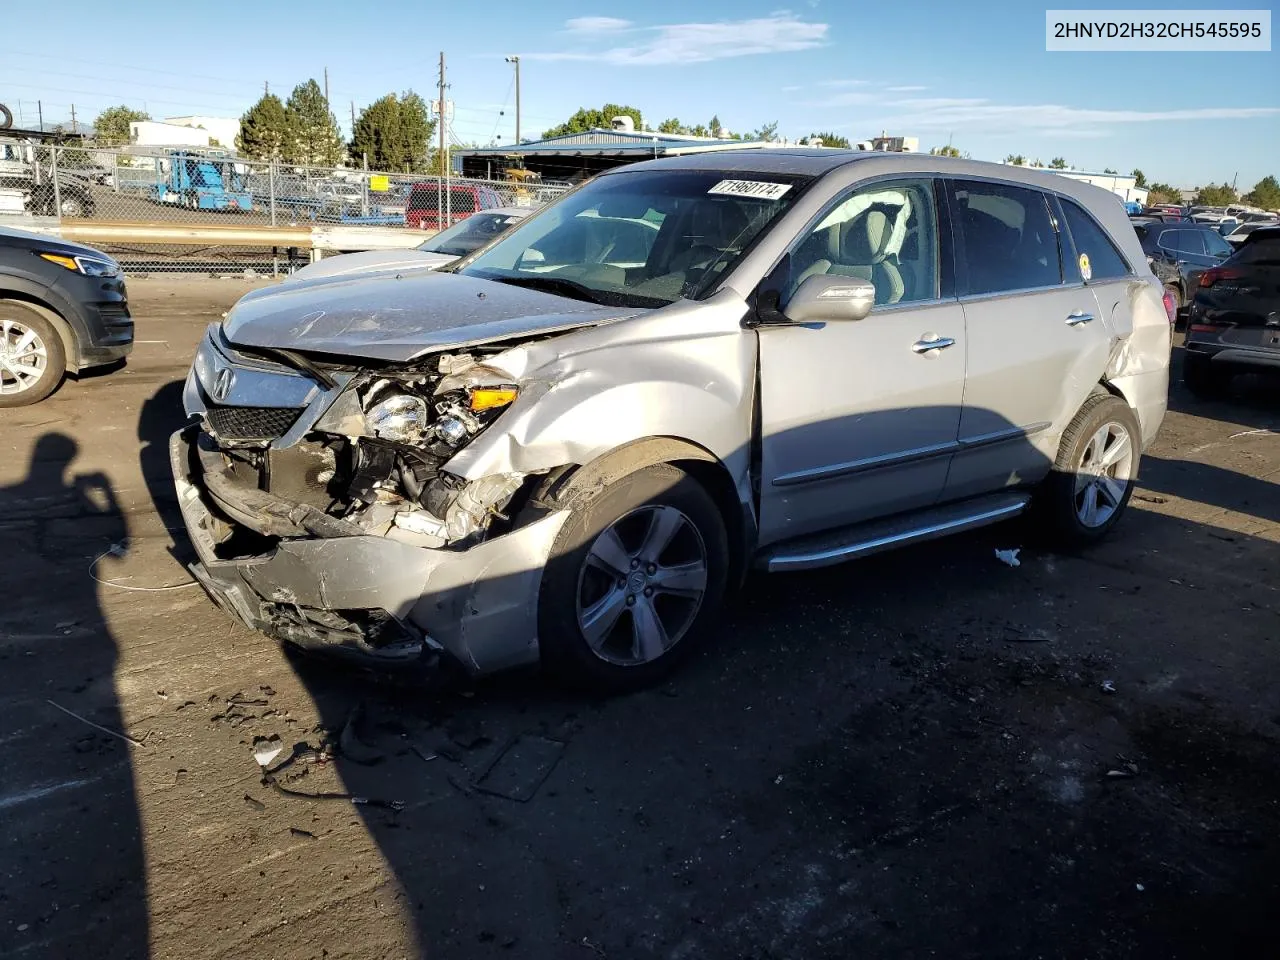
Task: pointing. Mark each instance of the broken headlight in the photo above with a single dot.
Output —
(400, 417)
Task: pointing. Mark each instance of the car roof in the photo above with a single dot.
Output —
(1263, 233)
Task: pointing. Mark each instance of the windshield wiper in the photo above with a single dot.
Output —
(569, 288)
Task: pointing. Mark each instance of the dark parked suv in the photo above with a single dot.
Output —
(1190, 247)
(1234, 324)
(63, 308)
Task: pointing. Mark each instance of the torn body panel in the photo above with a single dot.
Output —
(1139, 363)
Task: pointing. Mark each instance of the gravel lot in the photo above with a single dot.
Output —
(925, 754)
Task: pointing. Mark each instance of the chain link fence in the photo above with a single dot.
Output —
(240, 202)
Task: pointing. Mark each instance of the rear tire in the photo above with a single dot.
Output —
(1203, 379)
(621, 605)
(1093, 477)
(32, 358)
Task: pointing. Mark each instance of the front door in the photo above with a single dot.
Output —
(859, 418)
(1036, 344)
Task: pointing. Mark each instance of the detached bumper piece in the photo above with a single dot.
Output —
(321, 583)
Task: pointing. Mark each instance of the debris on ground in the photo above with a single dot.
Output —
(351, 746)
(299, 832)
(111, 733)
(253, 803)
(1009, 557)
(520, 768)
(266, 749)
(1108, 686)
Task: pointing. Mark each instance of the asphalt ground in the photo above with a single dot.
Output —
(928, 753)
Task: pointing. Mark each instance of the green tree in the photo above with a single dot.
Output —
(111, 128)
(1057, 163)
(588, 119)
(1163, 193)
(947, 151)
(1016, 160)
(1108, 170)
(264, 130)
(394, 133)
(1139, 179)
(313, 132)
(672, 126)
(715, 127)
(832, 140)
(767, 132)
(1218, 196)
(1265, 194)
(1038, 163)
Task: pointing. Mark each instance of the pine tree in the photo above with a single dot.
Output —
(264, 130)
(313, 132)
(394, 134)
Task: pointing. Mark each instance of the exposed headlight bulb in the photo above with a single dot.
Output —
(401, 417)
(451, 430)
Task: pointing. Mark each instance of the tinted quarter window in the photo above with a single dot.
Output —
(884, 232)
(1215, 246)
(1262, 252)
(1007, 237)
(1105, 261)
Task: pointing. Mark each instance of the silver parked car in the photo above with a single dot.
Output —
(569, 445)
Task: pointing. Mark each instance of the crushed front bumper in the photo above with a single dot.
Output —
(363, 597)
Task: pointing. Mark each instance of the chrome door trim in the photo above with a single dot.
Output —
(1022, 291)
(937, 343)
(1079, 317)
(831, 471)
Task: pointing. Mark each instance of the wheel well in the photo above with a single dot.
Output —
(564, 483)
(54, 317)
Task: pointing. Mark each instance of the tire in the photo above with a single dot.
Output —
(597, 574)
(72, 207)
(1079, 504)
(1202, 379)
(28, 340)
(6, 117)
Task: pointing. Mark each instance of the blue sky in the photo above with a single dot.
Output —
(976, 75)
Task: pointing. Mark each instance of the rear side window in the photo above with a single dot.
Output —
(1007, 237)
(1183, 241)
(1105, 261)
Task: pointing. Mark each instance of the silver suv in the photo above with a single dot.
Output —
(572, 443)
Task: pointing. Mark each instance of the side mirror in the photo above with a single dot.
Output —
(827, 297)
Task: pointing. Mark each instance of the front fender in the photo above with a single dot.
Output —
(685, 375)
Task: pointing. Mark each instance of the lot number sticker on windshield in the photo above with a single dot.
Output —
(759, 189)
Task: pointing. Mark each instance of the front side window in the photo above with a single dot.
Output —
(1105, 261)
(640, 238)
(1007, 236)
(886, 233)
(1189, 241)
(471, 234)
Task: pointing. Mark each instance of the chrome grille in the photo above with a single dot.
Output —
(251, 423)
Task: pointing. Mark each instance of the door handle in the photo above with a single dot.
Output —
(1078, 318)
(937, 343)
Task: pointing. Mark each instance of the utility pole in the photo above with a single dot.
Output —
(326, 86)
(516, 62)
(75, 128)
(40, 115)
(440, 110)
(266, 87)
(353, 118)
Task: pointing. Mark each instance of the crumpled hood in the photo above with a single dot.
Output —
(371, 261)
(389, 317)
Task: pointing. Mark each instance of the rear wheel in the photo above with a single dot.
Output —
(1093, 477)
(32, 358)
(1203, 379)
(638, 570)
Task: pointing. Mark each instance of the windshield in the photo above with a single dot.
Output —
(642, 238)
(471, 234)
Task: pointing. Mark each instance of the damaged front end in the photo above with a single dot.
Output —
(324, 514)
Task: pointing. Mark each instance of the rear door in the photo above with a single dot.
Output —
(1036, 342)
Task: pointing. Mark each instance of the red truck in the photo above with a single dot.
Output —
(433, 207)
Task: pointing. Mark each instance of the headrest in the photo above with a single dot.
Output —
(865, 238)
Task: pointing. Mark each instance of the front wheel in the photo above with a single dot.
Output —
(1094, 474)
(32, 359)
(635, 575)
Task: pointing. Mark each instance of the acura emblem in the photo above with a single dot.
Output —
(222, 384)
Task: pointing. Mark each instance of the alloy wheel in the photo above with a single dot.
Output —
(24, 358)
(1103, 474)
(641, 585)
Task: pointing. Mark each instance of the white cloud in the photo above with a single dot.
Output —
(905, 89)
(782, 32)
(949, 113)
(844, 83)
(596, 25)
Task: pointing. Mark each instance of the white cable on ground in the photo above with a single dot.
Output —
(115, 551)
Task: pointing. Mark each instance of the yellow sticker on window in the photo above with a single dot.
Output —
(1086, 271)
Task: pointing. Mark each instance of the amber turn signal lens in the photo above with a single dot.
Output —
(68, 262)
(490, 398)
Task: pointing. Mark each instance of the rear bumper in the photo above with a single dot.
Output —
(1241, 359)
(365, 598)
